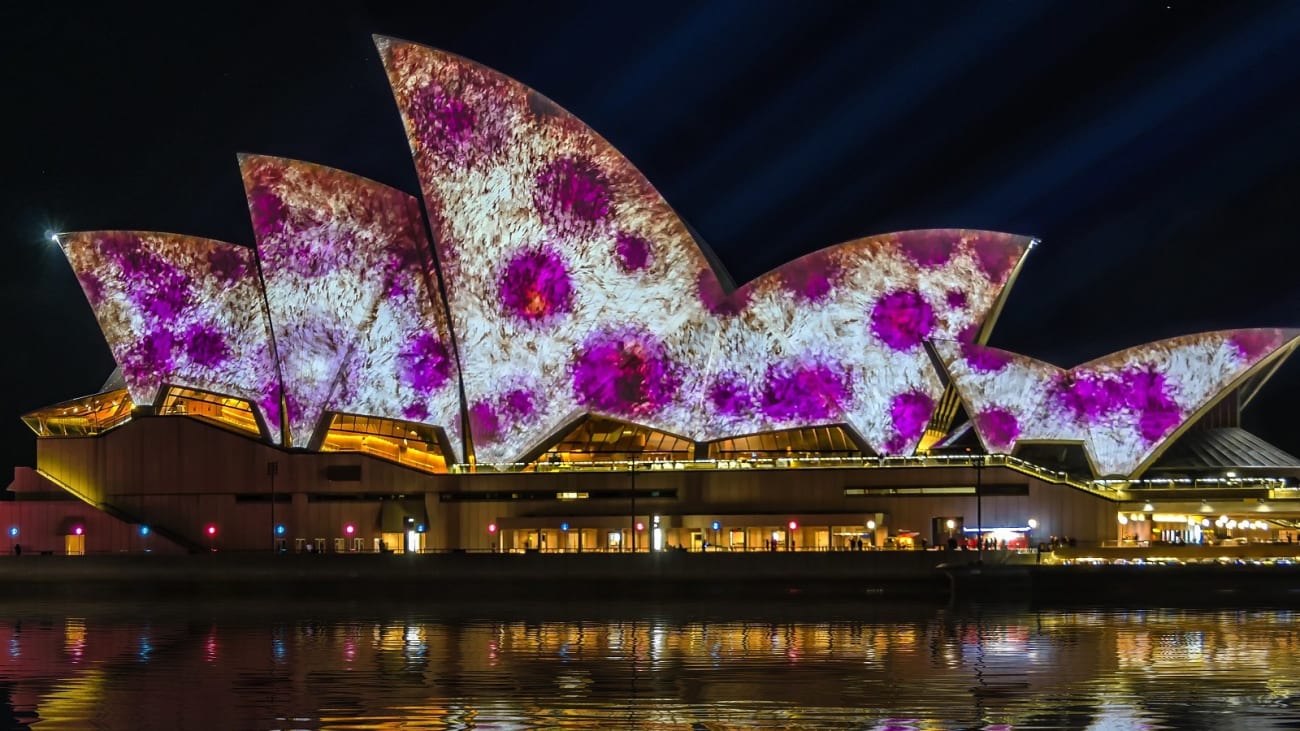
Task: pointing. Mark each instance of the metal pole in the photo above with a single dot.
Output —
(979, 505)
(634, 505)
(272, 467)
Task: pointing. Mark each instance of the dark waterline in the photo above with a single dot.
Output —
(367, 665)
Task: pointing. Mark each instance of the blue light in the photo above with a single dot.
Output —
(13, 532)
(419, 528)
(717, 525)
(564, 526)
(279, 530)
(144, 530)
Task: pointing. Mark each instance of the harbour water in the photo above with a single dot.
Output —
(556, 665)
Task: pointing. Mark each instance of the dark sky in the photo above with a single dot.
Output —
(1154, 147)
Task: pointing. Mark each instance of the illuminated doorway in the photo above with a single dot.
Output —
(74, 545)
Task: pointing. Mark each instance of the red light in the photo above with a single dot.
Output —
(212, 530)
(794, 525)
(349, 529)
(640, 525)
(492, 527)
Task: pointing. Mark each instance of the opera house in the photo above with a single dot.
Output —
(544, 356)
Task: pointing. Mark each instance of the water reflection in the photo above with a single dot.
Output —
(811, 667)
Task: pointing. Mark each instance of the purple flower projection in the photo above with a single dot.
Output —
(150, 359)
(535, 286)
(809, 392)
(1092, 397)
(994, 256)
(270, 404)
(929, 249)
(572, 194)
(424, 363)
(520, 403)
(1121, 406)
(604, 221)
(345, 280)
(909, 412)
(984, 360)
(633, 252)
(716, 300)
(811, 278)
(442, 121)
(731, 396)
(165, 294)
(227, 265)
(205, 345)
(267, 210)
(1255, 344)
(177, 311)
(484, 423)
(490, 419)
(1158, 420)
(1083, 395)
(417, 411)
(999, 428)
(902, 319)
(623, 372)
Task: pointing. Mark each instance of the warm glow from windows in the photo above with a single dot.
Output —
(222, 411)
(83, 417)
(406, 443)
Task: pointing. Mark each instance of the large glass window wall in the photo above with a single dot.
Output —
(83, 417)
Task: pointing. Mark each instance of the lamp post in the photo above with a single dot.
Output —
(634, 505)
(272, 468)
(979, 505)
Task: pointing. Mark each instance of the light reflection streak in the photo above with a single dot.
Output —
(938, 670)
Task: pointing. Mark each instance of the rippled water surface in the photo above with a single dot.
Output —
(693, 667)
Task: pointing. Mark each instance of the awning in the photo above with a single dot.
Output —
(393, 515)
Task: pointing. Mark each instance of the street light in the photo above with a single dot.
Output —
(979, 505)
(635, 525)
(272, 468)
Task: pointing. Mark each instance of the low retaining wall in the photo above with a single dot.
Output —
(675, 574)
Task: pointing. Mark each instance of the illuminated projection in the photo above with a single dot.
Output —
(1122, 407)
(838, 336)
(351, 293)
(181, 311)
(574, 288)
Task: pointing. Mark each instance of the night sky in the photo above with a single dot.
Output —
(1153, 147)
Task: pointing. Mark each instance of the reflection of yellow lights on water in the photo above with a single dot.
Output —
(74, 701)
(74, 638)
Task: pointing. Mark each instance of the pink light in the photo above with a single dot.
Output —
(492, 527)
(78, 531)
(349, 529)
(212, 530)
(640, 525)
(794, 525)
